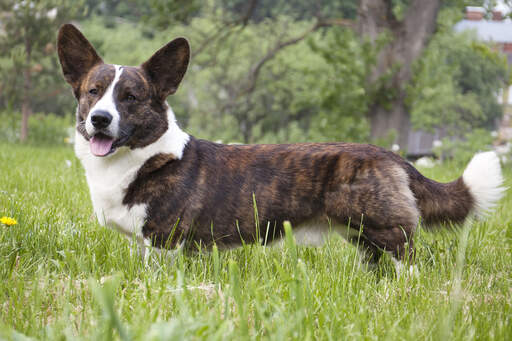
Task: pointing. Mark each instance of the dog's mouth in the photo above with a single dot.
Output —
(102, 144)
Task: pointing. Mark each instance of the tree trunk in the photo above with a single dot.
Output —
(26, 105)
(394, 121)
(408, 38)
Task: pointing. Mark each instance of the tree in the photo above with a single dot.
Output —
(455, 85)
(409, 28)
(28, 42)
(249, 92)
(393, 35)
(399, 31)
(262, 70)
(407, 25)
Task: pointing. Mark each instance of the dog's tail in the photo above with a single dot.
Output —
(475, 193)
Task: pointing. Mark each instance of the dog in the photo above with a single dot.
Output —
(149, 178)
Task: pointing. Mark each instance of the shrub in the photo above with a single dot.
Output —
(44, 129)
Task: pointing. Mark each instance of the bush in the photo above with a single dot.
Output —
(43, 129)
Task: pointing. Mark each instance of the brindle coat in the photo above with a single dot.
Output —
(209, 195)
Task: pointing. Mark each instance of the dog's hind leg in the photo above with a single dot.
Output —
(397, 242)
(372, 243)
(378, 202)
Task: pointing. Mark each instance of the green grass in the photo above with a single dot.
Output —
(65, 277)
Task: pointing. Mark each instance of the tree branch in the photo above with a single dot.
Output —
(256, 69)
(225, 28)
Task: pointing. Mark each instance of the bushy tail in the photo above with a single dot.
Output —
(476, 192)
(485, 182)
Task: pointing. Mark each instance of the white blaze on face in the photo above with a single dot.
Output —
(107, 103)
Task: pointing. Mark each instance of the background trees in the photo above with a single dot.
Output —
(29, 72)
(275, 71)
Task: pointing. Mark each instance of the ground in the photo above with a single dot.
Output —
(64, 276)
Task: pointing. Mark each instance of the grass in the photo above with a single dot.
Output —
(62, 276)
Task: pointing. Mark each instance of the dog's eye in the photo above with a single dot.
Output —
(93, 91)
(131, 98)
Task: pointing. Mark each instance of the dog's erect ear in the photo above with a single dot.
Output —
(168, 65)
(76, 55)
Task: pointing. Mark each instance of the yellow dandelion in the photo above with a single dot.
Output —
(8, 221)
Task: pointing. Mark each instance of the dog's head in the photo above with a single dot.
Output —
(120, 105)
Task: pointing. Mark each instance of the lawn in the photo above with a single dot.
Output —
(65, 277)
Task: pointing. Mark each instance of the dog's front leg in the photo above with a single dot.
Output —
(146, 250)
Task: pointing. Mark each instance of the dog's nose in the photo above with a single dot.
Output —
(101, 119)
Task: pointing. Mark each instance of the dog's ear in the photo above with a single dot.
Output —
(168, 65)
(76, 55)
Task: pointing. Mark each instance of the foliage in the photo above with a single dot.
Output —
(27, 47)
(45, 129)
(344, 90)
(64, 277)
(159, 14)
(296, 9)
(165, 13)
(285, 105)
(456, 84)
(317, 89)
(131, 10)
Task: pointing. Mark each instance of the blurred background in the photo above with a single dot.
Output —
(423, 78)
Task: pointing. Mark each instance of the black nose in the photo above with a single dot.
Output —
(101, 119)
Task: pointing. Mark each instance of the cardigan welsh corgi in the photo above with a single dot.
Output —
(149, 178)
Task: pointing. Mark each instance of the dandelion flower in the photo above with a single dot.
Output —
(8, 221)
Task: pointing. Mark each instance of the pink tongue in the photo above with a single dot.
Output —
(101, 145)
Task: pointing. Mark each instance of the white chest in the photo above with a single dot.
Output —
(108, 179)
(107, 193)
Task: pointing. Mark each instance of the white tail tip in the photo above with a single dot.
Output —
(485, 181)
